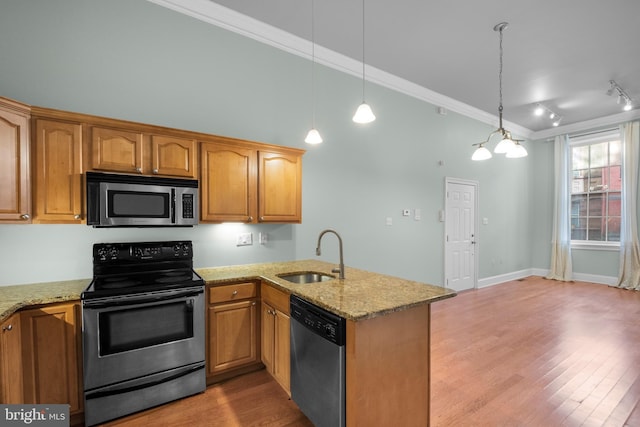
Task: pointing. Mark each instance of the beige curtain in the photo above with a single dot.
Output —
(561, 268)
(629, 276)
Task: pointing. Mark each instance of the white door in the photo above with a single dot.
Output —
(460, 231)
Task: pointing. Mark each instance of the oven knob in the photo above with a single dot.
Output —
(102, 253)
(185, 248)
(137, 252)
(113, 252)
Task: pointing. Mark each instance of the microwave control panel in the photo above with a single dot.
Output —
(187, 205)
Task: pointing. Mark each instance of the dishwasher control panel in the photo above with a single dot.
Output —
(324, 323)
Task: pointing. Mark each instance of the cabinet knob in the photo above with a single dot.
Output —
(25, 216)
(261, 218)
(139, 170)
(155, 171)
(250, 218)
(76, 216)
(234, 293)
(7, 328)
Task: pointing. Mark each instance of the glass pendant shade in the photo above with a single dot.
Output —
(313, 137)
(481, 153)
(364, 114)
(516, 151)
(504, 146)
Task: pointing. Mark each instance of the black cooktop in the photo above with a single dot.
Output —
(141, 267)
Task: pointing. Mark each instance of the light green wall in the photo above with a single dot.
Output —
(134, 60)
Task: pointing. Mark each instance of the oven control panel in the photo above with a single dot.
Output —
(142, 251)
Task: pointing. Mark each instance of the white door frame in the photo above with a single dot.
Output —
(476, 185)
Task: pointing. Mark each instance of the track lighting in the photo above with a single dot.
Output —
(623, 98)
(542, 110)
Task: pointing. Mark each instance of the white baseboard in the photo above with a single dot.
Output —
(582, 277)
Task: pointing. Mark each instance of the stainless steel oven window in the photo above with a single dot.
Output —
(131, 328)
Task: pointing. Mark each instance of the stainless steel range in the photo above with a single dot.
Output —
(142, 328)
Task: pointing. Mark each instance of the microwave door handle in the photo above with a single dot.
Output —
(173, 206)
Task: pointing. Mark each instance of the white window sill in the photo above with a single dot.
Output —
(595, 246)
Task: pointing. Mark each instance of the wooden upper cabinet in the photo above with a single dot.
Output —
(242, 183)
(116, 150)
(228, 184)
(174, 156)
(58, 172)
(15, 191)
(132, 151)
(280, 187)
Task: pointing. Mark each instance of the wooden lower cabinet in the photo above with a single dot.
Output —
(10, 361)
(232, 329)
(276, 346)
(50, 341)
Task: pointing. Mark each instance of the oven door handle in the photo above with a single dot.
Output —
(143, 299)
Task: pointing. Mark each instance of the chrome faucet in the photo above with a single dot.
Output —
(340, 268)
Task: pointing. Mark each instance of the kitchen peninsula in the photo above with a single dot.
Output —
(388, 324)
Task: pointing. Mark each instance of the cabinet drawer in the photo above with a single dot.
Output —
(275, 297)
(237, 291)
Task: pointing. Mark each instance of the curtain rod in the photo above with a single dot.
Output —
(595, 132)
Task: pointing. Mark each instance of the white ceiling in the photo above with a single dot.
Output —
(559, 53)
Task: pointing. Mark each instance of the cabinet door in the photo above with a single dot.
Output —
(116, 150)
(50, 343)
(173, 156)
(228, 183)
(232, 335)
(15, 192)
(11, 361)
(58, 184)
(268, 336)
(282, 350)
(280, 187)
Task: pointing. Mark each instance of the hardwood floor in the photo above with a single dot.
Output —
(254, 399)
(537, 352)
(532, 352)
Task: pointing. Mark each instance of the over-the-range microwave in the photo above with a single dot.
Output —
(115, 200)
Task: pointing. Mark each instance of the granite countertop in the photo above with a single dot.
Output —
(361, 295)
(13, 298)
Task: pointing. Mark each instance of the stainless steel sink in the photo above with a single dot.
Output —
(305, 278)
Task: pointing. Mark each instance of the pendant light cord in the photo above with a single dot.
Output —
(363, 51)
(313, 66)
(500, 27)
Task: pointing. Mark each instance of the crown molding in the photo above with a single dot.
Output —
(228, 19)
(223, 17)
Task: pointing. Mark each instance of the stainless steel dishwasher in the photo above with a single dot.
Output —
(318, 363)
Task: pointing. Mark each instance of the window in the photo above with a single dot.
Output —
(596, 185)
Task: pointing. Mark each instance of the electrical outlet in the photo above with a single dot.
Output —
(262, 237)
(245, 239)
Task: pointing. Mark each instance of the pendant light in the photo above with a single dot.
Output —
(363, 113)
(507, 145)
(313, 137)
